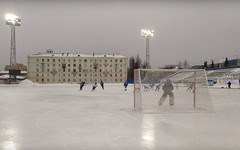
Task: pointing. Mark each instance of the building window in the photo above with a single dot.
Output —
(116, 60)
(37, 80)
(120, 75)
(58, 60)
(115, 80)
(53, 60)
(53, 65)
(42, 60)
(74, 70)
(110, 75)
(37, 69)
(42, 80)
(74, 80)
(120, 60)
(74, 60)
(110, 60)
(74, 65)
(68, 70)
(105, 60)
(37, 65)
(95, 75)
(69, 65)
(37, 74)
(120, 80)
(68, 60)
(85, 60)
(47, 60)
(68, 80)
(37, 60)
(115, 75)
(47, 80)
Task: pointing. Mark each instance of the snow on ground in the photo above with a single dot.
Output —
(60, 117)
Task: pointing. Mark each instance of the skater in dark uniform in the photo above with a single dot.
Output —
(82, 85)
(102, 84)
(94, 86)
(125, 85)
(167, 90)
(229, 85)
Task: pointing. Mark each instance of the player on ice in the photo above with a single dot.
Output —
(229, 85)
(94, 86)
(82, 85)
(125, 85)
(102, 84)
(190, 87)
(167, 90)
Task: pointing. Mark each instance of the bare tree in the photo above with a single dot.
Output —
(186, 64)
(134, 63)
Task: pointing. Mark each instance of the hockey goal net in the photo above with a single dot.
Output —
(166, 91)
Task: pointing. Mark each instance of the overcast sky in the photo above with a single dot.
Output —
(184, 29)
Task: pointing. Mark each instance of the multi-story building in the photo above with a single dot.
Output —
(52, 67)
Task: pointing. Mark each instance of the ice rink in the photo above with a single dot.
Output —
(60, 117)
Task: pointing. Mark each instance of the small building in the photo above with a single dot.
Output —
(19, 66)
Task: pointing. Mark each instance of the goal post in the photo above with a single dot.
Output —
(170, 90)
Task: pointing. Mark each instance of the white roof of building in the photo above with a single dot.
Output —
(76, 55)
(7, 72)
(6, 76)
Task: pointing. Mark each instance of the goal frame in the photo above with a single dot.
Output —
(194, 71)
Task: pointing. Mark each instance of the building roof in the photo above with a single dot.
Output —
(51, 54)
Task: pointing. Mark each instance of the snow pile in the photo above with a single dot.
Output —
(27, 82)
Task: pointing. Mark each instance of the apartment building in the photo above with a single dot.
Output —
(50, 67)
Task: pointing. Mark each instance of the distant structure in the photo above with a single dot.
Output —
(147, 34)
(18, 66)
(231, 63)
(13, 21)
(50, 67)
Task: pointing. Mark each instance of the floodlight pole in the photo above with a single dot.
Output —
(147, 34)
(13, 64)
(14, 21)
(147, 52)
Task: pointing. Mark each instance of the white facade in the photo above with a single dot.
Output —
(52, 67)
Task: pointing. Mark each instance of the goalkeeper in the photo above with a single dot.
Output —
(167, 90)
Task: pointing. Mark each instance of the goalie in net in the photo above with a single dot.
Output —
(185, 90)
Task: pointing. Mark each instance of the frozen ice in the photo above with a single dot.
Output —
(60, 117)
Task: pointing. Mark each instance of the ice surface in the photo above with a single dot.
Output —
(60, 117)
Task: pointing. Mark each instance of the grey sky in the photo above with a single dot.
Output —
(184, 29)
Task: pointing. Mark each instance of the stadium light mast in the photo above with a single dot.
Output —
(13, 21)
(147, 33)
